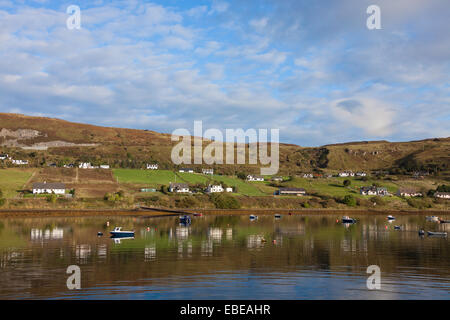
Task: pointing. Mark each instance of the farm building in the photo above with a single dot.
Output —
(403, 192)
(51, 187)
(251, 177)
(214, 188)
(178, 187)
(291, 191)
(442, 195)
(153, 166)
(189, 170)
(208, 171)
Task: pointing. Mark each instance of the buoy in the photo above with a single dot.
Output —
(107, 223)
(385, 227)
(274, 241)
(148, 228)
(337, 220)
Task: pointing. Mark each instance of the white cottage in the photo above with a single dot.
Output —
(51, 187)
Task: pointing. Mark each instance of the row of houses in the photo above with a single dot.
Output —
(88, 165)
(184, 188)
(373, 191)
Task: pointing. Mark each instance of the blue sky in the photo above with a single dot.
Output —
(309, 68)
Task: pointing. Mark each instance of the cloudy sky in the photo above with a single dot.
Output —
(309, 68)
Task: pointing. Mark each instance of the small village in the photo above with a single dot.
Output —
(188, 181)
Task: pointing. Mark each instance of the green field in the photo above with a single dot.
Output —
(156, 178)
(12, 180)
(334, 186)
(151, 178)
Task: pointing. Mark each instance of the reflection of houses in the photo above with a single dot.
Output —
(442, 195)
(291, 191)
(255, 241)
(229, 234)
(150, 253)
(178, 187)
(405, 192)
(207, 248)
(51, 187)
(252, 177)
(182, 233)
(215, 234)
(102, 251)
(47, 234)
(82, 252)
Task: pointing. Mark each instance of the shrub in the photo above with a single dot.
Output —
(52, 198)
(349, 200)
(347, 183)
(224, 201)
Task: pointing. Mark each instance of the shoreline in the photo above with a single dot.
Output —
(162, 212)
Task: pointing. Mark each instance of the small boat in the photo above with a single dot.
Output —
(185, 219)
(99, 234)
(197, 214)
(421, 232)
(253, 217)
(119, 233)
(277, 216)
(443, 221)
(397, 228)
(437, 234)
(432, 218)
(389, 217)
(347, 219)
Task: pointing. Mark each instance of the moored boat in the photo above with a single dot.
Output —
(253, 217)
(347, 219)
(397, 228)
(389, 217)
(432, 218)
(437, 234)
(421, 232)
(277, 216)
(197, 214)
(118, 232)
(185, 219)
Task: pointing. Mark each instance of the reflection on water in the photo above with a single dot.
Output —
(224, 257)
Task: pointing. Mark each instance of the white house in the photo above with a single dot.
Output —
(291, 191)
(53, 187)
(361, 174)
(19, 162)
(178, 187)
(277, 178)
(214, 188)
(442, 195)
(3, 156)
(373, 191)
(408, 193)
(208, 171)
(308, 175)
(229, 189)
(346, 174)
(189, 170)
(251, 177)
(153, 166)
(104, 166)
(85, 165)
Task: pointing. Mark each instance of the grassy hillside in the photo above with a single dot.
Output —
(129, 148)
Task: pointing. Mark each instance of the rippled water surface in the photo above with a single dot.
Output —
(224, 257)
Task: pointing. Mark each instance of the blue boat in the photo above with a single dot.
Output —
(185, 220)
(253, 217)
(118, 233)
(347, 219)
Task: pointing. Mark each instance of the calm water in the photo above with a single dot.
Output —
(223, 257)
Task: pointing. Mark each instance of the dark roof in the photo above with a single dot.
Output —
(49, 185)
(179, 185)
(292, 189)
(407, 190)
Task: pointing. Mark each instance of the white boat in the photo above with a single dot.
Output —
(347, 219)
(437, 234)
(432, 218)
(389, 217)
(253, 217)
(118, 232)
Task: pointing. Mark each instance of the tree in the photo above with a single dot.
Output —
(347, 183)
(350, 200)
